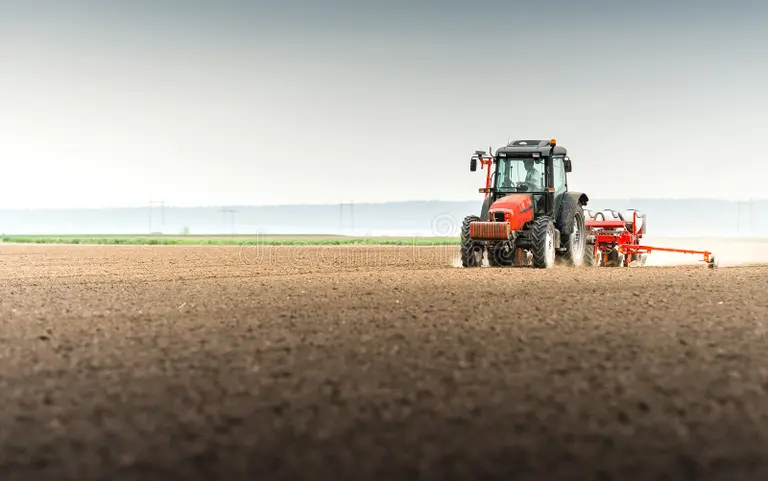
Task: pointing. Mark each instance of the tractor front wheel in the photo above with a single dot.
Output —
(471, 250)
(502, 254)
(543, 243)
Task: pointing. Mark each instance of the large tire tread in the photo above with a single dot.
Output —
(541, 227)
(571, 208)
(470, 247)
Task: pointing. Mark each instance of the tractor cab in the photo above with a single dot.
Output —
(537, 168)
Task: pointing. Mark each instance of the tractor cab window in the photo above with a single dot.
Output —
(559, 170)
(520, 175)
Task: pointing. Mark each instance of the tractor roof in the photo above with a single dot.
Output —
(530, 146)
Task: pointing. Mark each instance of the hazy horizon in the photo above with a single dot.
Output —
(423, 218)
(157, 204)
(115, 104)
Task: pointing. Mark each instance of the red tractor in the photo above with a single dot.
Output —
(529, 217)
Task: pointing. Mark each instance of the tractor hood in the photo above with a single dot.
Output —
(516, 203)
(515, 209)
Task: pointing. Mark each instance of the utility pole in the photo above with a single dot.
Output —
(352, 215)
(232, 214)
(162, 214)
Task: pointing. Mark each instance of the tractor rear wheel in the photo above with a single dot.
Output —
(471, 250)
(575, 240)
(543, 242)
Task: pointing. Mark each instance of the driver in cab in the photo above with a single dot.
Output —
(533, 176)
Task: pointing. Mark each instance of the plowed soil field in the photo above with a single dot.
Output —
(371, 363)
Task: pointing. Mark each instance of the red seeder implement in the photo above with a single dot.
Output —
(616, 242)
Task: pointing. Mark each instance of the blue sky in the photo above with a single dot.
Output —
(231, 102)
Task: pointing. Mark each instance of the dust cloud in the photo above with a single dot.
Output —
(729, 252)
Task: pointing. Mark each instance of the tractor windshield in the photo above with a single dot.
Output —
(520, 175)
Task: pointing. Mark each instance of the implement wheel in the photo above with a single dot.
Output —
(590, 258)
(615, 258)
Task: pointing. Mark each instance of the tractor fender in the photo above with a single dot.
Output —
(486, 207)
(572, 201)
(580, 197)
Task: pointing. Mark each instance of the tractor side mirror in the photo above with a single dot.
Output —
(568, 166)
(473, 164)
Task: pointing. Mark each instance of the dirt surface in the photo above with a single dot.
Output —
(367, 363)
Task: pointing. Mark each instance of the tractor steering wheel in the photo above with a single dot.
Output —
(518, 186)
